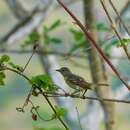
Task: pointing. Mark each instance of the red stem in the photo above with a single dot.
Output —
(94, 43)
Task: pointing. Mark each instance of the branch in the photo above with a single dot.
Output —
(119, 17)
(44, 95)
(27, 24)
(113, 25)
(43, 52)
(95, 44)
(50, 94)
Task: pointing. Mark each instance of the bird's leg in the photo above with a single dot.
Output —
(84, 92)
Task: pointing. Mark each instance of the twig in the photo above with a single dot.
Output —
(119, 17)
(48, 101)
(35, 108)
(95, 44)
(19, 25)
(34, 49)
(113, 25)
(85, 97)
(44, 53)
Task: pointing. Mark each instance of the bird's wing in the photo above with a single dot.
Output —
(77, 80)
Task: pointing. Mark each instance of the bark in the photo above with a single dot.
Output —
(97, 69)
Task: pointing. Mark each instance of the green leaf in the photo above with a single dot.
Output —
(4, 58)
(78, 35)
(2, 77)
(46, 37)
(56, 24)
(102, 27)
(55, 40)
(123, 42)
(32, 38)
(17, 67)
(60, 111)
(44, 81)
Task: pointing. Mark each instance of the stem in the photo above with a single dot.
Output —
(21, 74)
(94, 43)
(115, 30)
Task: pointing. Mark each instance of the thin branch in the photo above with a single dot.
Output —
(19, 25)
(33, 52)
(35, 108)
(48, 101)
(119, 17)
(27, 21)
(113, 25)
(42, 52)
(85, 97)
(95, 44)
(125, 8)
(50, 94)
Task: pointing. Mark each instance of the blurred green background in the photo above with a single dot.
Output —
(14, 93)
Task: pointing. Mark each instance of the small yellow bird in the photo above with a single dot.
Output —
(76, 82)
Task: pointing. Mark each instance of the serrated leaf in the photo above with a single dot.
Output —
(44, 81)
(4, 58)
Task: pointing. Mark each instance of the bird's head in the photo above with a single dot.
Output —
(64, 71)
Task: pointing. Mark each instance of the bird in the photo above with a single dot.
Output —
(77, 82)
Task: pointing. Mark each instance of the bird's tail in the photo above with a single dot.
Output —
(93, 86)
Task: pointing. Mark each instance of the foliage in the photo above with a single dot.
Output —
(48, 39)
(116, 43)
(2, 77)
(32, 38)
(60, 111)
(15, 66)
(79, 40)
(4, 58)
(44, 81)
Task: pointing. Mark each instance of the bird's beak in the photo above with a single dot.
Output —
(58, 70)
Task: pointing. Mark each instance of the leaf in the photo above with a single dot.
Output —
(60, 111)
(102, 27)
(55, 40)
(123, 42)
(46, 37)
(4, 58)
(14, 66)
(44, 81)
(78, 35)
(56, 24)
(2, 77)
(32, 38)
